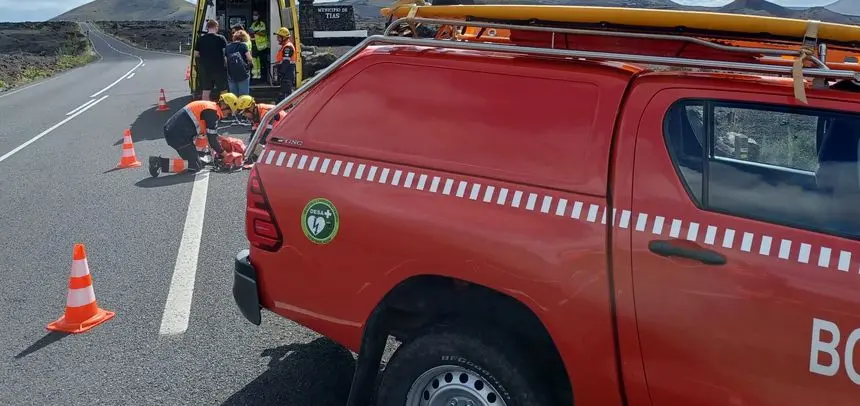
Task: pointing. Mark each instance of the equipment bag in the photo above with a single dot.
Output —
(236, 67)
(234, 152)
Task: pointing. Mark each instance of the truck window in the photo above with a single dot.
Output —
(765, 163)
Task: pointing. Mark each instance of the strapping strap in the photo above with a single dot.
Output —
(807, 50)
(413, 9)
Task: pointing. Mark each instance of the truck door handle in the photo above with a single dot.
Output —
(674, 249)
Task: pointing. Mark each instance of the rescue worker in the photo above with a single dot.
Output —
(198, 118)
(259, 48)
(286, 62)
(254, 112)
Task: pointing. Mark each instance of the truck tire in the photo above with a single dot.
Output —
(456, 363)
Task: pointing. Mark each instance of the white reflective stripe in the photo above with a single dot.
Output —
(269, 127)
(79, 268)
(127, 152)
(742, 241)
(80, 297)
(193, 118)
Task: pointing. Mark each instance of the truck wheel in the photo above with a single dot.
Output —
(459, 366)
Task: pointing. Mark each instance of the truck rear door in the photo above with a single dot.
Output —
(745, 255)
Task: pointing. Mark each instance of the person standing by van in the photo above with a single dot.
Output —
(260, 48)
(238, 64)
(286, 62)
(211, 61)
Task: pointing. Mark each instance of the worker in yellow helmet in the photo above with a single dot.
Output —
(197, 119)
(259, 48)
(285, 61)
(254, 112)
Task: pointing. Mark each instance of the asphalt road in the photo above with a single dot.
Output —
(58, 189)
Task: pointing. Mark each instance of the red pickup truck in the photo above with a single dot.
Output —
(542, 226)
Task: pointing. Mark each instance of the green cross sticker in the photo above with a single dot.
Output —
(320, 221)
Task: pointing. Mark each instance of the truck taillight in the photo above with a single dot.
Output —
(260, 225)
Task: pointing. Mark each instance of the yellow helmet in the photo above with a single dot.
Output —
(230, 100)
(283, 32)
(245, 102)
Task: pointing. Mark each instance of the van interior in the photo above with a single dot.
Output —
(232, 12)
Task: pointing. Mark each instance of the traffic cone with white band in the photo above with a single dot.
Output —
(162, 102)
(128, 159)
(82, 311)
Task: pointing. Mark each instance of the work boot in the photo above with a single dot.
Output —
(154, 165)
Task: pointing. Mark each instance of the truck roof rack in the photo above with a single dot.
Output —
(780, 57)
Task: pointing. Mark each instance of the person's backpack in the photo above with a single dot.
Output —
(236, 67)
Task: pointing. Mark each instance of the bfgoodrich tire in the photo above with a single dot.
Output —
(457, 363)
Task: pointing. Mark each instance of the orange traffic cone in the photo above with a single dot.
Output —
(82, 311)
(162, 102)
(128, 159)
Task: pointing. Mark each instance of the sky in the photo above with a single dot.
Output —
(40, 10)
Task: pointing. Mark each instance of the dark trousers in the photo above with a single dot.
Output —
(288, 79)
(264, 64)
(184, 146)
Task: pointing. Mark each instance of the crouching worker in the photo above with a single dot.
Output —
(198, 118)
(254, 112)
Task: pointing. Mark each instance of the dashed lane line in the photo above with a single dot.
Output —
(90, 101)
(177, 309)
(52, 128)
(139, 64)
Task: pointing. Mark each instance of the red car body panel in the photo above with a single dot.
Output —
(418, 190)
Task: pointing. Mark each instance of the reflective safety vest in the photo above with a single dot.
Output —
(262, 109)
(280, 56)
(261, 37)
(195, 110)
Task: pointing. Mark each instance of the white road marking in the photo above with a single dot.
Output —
(90, 101)
(25, 88)
(178, 307)
(131, 76)
(54, 127)
(123, 76)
